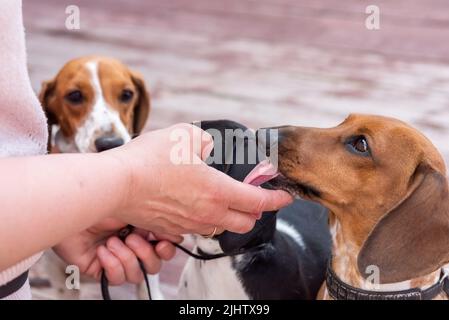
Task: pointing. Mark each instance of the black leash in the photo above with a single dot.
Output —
(123, 233)
(14, 285)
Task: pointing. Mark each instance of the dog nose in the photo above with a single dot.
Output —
(108, 142)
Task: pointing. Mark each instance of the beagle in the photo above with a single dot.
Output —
(385, 186)
(96, 102)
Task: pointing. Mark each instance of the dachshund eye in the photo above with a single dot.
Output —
(358, 145)
(74, 97)
(126, 95)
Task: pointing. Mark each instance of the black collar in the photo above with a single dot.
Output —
(340, 290)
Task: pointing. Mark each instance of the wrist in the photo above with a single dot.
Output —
(123, 181)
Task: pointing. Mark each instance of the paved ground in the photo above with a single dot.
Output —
(262, 62)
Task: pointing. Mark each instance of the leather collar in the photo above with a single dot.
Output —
(340, 290)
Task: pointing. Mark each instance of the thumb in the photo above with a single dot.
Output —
(207, 145)
(203, 142)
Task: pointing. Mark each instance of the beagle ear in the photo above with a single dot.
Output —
(411, 240)
(142, 106)
(47, 91)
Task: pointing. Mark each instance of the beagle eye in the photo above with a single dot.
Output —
(358, 145)
(74, 97)
(126, 95)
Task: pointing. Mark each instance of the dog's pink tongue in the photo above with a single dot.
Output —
(262, 173)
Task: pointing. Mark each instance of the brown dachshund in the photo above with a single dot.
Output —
(385, 186)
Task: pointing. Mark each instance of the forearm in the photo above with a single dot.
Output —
(44, 199)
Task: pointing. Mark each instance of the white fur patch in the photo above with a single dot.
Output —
(287, 229)
(102, 120)
(155, 288)
(210, 280)
(345, 266)
(64, 145)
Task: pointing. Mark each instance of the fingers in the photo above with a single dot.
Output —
(127, 258)
(145, 252)
(211, 231)
(94, 269)
(238, 222)
(251, 199)
(165, 250)
(201, 140)
(169, 237)
(207, 144)
(246, 203)
(182, 226)
(159, 236)
(111, 265)
(119, 260)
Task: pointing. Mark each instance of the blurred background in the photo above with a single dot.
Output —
(259, 62)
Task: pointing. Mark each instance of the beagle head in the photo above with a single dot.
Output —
(97, 103)
(385, 183)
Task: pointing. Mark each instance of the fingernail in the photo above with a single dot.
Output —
(207, 151)
(101, 250)
(288, 196)
(114, 244)
(257, 215)
(162, 245)
(132, 242)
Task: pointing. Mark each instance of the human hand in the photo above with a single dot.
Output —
(98, 248)
(167, 197)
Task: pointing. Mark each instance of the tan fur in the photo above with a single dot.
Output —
(114, 78)
(359, 191)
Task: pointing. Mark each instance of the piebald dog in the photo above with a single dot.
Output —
(283, 257)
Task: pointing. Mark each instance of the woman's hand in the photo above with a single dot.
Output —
(167, 197)
(98, 248)
(139, 183)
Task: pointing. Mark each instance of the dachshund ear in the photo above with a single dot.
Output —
(142, 106)
(411, 240)
(45, 97)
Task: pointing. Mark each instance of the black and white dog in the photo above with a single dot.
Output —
(283, 257)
